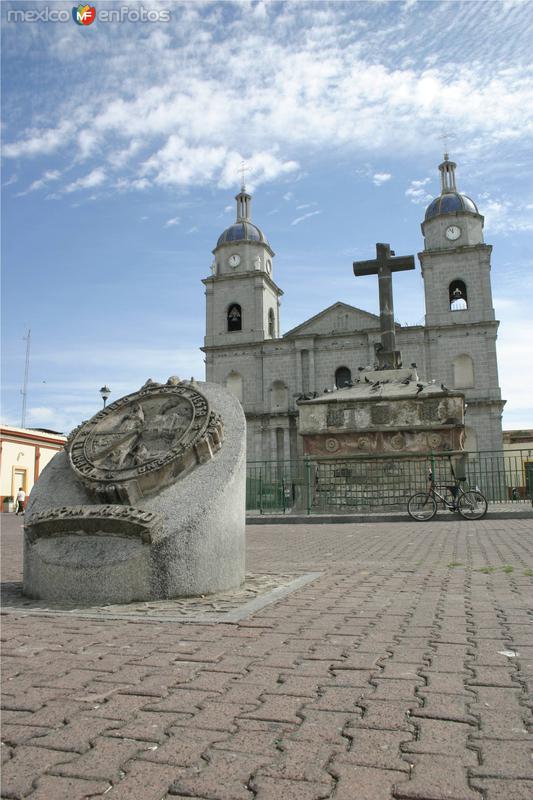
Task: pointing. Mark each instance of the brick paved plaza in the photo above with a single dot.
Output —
(402, 672)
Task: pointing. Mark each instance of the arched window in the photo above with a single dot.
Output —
(458, 296)
(234, 384)
(280, 396)
(343, 377)
(271, 323)
(463, 372)
(234, 317)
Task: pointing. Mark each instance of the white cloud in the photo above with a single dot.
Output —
(379, 178)
(417, 193)
(89, 181)
(47, 177)
(286, 79)
(305, 216)
(171, 222)
(506, 216)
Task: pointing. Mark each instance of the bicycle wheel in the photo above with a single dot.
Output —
(422, 507)
(472, 505)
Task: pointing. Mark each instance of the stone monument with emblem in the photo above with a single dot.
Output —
(146, 502)
(387, 412)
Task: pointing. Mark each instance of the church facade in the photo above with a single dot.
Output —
(268, 371)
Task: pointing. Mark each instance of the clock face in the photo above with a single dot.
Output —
(234, 260)
(453, 232)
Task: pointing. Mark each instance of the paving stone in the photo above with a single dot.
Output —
(444, 738)
(298, 686)
(374, 605)
(120, 706)
(374, 748)
(358, 660)
(149, 726)
(499, 712)
(302, 761)
(355, 782)
(188, 700)
(353, 678)
(446, 706)
(278, 708)
(217, 716)
(144, 781)
(77, 736)
(400, 671)
(6, 752)
(20, 734)
(225, 777)
(493, 676)
(183, 747)
(436, 778)
(447, 683)
(210, 681)
(30, 700)
(387, 715)
(51, 788)
(104, 762)
(503, 789)
(504, 759)
(26, 765)
(324, 726)
(342, 698)
(393, 689)
(266, 788)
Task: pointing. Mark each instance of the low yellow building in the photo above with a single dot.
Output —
(24, 453)
(518, 452)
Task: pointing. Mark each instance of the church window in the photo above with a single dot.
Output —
(343, 376)
(234, 385)
(463, 372)
(234, 317)
(304, 356)
(271, 324)
(458, 296)
(280, 396)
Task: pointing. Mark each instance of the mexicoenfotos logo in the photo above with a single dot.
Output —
(84, 15)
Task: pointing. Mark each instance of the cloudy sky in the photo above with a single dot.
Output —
(122, 143)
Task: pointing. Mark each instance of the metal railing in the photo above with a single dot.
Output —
(374, 483)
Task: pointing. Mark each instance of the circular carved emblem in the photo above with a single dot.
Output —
(434, 440)
(363, 443)
(332, 445)
(144, 440)
(398, 441)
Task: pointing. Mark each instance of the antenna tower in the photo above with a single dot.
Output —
(24, 390)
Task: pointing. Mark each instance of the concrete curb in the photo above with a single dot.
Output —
(334, 519)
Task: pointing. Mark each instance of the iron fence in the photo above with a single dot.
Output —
(374, 483)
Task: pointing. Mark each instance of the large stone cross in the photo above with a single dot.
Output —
(383, 266)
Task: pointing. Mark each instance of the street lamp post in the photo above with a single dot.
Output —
(105, 391)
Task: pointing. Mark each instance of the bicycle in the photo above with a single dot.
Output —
(471, 504)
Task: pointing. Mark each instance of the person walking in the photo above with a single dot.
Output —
(21, 497)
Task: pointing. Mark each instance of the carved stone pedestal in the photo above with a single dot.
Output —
(147, 501)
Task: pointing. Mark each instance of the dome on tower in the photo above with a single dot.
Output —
(450, 201)
(242, 231)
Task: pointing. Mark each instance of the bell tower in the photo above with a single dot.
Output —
(242, 299)
(461, 328)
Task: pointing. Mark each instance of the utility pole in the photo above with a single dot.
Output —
(24, 390)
